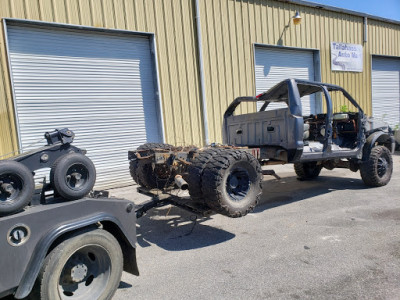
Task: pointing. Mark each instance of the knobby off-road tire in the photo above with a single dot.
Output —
(231, 183)
(377, 169)
(85, 266)
(308, 170)
(73, 176)
(195, 172)
(16, 187)
(142, 171)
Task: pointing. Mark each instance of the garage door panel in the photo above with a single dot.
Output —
(386, 89)
(99, 85)
(76, 42)
(274, 65)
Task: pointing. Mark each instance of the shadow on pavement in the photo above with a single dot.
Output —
(290, 189)
(174, 229)
(124, 285)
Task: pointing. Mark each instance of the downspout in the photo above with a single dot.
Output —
(202, 80)
(365, 29)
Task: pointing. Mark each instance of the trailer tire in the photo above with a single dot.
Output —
(231, 183)
(73, 176)
(308, 170)
(16, 186)
(142, 170)
(377, 169)
(84, 266)
(195, 172)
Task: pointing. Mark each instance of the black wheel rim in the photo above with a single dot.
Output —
(382, 166)
(86, 274)
(77, 176)
(11, 187)
(238, 184)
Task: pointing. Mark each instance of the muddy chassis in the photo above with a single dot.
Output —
(220, 179)
(227, 179)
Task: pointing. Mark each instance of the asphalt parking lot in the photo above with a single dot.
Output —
(330, 238)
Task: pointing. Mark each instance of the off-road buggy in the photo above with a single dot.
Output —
(227, 178)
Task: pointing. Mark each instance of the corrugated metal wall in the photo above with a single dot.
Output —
(231, 27)
(229, 30)
(173, 23)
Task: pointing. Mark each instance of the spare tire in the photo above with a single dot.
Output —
(16, 186)
(231, 183)
(142, 170)
(73, 176)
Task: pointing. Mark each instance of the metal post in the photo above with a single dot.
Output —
(202, 80)
(365, 29)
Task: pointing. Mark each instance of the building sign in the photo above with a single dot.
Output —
(346, 57)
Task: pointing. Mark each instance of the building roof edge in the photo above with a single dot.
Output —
(338, 9)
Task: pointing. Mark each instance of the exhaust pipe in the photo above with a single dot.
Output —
(181, 183)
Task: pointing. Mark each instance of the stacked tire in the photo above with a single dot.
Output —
(228, 181)
(195, 172)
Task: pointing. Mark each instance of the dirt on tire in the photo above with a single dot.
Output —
(377, 169)
(308, 170)
(217, 187)
(195, 172)
(142, 172)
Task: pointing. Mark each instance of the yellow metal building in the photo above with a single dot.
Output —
(203, 54)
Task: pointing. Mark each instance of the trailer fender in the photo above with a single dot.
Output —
(109, 223)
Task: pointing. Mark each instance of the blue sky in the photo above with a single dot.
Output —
(389, 9)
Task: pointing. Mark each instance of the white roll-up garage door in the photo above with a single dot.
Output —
(273, 65)
(386, 89)
(100, 85)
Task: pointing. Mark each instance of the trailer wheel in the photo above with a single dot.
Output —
(143, 173)
(377, 169)
(16, 186)
(73, 176)
(195, 172)
(85, 266)
(231, 183)
(307, 170)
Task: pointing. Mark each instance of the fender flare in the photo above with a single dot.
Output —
(42, 248)
(380, 137)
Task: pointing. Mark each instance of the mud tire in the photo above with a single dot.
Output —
(308, 170)
(142, 171)
(231, 183)
(378, 168)
(195, 173)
